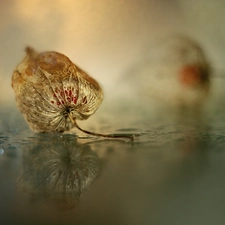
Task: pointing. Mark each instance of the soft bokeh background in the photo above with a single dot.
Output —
(105, 38)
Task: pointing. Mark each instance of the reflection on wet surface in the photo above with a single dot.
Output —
(58, 169)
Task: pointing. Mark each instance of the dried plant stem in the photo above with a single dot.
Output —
(131, 137)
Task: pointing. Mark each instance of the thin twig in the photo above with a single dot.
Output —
(131, 137)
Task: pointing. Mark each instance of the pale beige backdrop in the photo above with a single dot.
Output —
(104, 37)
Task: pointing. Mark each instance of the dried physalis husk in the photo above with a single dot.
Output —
(52, 92)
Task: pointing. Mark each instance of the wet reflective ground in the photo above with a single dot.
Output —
(173, 172)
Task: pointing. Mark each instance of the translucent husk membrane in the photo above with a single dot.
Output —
(52, 93)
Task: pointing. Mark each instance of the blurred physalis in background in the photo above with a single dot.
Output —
(176, 73)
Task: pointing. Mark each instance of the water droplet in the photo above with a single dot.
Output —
(1, 151)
